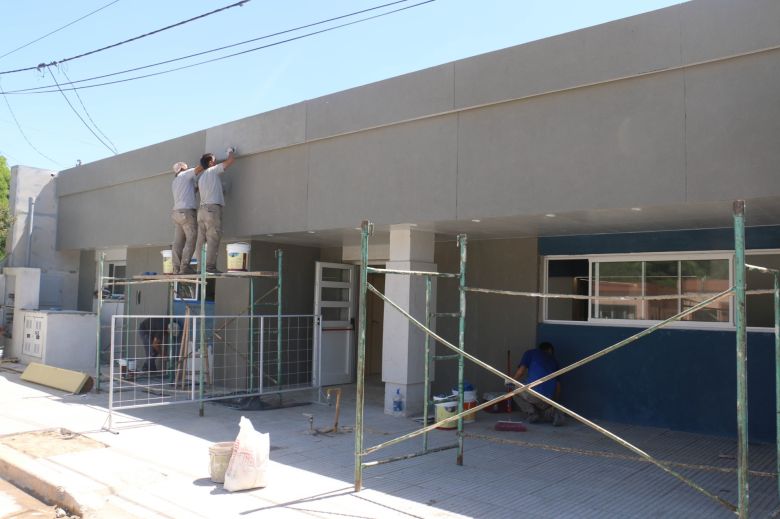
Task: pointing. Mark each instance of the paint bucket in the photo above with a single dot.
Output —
(219, 457)
(469, 392)
(472, 416)
(500, 407)
(167, 256)
(237, 257)
(445, 410)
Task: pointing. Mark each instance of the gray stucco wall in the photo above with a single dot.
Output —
(232, 295)
(494, 324)
(610, 116)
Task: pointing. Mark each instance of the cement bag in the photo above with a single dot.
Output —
(249, 461)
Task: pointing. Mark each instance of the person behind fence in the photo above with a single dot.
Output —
(212, 200)
(155, 334)
(534, 365)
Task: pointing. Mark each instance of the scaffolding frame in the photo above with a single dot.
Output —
(738, 290)
(200, 279)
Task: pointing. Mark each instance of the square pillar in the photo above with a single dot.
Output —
(403, 349)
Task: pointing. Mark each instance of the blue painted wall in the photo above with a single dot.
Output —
(676, 378)
(680, 379)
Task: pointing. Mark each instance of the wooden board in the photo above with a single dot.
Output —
(58, 378)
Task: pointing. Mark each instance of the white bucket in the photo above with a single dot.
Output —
(219, 457)
(167, 261)
(468, 396)
(237, 257)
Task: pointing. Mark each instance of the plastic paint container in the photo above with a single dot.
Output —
(470, 417)
(167, 256)
(445, 410)
(219, 457)
(238, 256)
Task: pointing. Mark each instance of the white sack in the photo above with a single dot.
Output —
(249, 461)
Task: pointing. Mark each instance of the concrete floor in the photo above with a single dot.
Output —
(155, 464)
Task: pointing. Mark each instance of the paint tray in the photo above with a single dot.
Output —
(508, 425)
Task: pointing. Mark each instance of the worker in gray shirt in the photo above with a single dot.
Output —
(211, 202)
(184, 217)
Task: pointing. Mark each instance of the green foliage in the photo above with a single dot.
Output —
(5, 213)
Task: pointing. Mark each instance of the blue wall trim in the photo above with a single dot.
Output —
(693, 240)
(679, 379)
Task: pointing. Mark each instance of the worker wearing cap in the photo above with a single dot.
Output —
(212, 200)
(184, 217)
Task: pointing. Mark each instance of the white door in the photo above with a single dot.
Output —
(334, 301)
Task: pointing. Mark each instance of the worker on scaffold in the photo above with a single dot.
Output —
(184, 216)
(535, 364)
(212, 200)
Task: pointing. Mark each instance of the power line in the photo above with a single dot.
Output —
(173, 60)
(314, 33)
(77, 113)
(19, 127)
(40, 66)
(57, 30)
(113, 146)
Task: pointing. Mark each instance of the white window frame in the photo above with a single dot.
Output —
(760, 252)
(655, 256)
(109, 266)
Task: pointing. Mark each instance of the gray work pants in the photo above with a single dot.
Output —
(532, 406)
(184, 236)
(210, 232)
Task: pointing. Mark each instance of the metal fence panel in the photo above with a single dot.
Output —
(157, 360)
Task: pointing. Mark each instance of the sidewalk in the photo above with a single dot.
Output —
(156, 464)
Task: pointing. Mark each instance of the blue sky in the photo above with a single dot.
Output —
(137, 113)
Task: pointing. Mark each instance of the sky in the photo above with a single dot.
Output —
(44, 130)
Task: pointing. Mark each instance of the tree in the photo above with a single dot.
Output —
(5, 213)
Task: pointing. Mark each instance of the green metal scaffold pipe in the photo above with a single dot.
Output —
(461, 340)
(743, 501)
(279, 318)
(203, 345)
(777, 376)
(251, 341)
(365, 231)
(99, 311)
(427, 368)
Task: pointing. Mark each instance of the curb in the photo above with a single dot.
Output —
(20, 470)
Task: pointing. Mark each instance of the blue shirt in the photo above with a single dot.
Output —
(540, 364)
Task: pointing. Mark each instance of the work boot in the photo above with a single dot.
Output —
(534, 418)
(213, 270)
(558, 419)
(187, 270)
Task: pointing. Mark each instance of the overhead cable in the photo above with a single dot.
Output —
(78, 114)
(173, 60)
(86, 112)
(314, 33)
(57, 30)
(19, 127)
(41, 66)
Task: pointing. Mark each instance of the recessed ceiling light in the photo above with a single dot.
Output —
(269, 235)
(636, 208)
(412, 225)
(311, 232)
(476, 220)
(550, 215)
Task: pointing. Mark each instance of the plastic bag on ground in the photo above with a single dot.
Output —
(249, 461)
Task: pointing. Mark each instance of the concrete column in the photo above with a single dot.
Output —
(403, 343)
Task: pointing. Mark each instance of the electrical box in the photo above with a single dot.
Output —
(60, 338)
